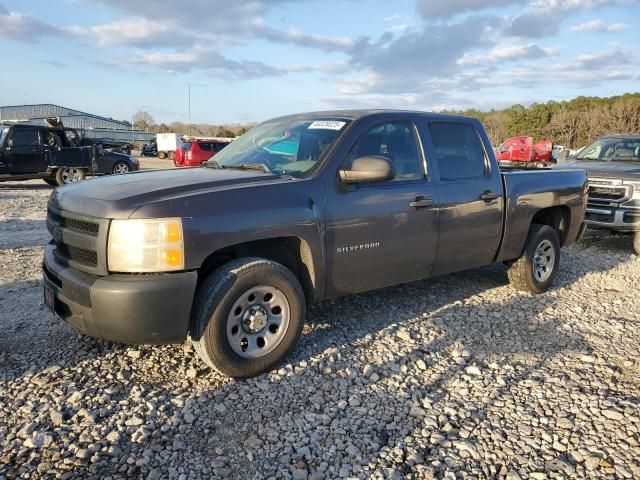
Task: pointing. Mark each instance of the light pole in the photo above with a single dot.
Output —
(189, 84)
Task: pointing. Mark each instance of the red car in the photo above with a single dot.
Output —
(194, 152)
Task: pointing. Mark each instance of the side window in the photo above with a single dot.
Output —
(218, 146)
(395, 141)
(458, 150)
(25, 137)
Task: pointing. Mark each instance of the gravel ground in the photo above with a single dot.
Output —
(455, 377)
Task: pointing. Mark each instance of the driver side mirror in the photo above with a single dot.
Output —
(369, 169)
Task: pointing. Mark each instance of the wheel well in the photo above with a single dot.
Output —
(558, 218)
(292, 252)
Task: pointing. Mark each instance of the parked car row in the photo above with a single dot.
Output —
(56, 155)
(184, 152)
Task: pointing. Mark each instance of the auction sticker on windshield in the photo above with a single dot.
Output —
(327, 125)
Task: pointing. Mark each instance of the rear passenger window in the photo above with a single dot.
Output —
(25, 137)
(395, 141)
(205, 146)
(458, 150)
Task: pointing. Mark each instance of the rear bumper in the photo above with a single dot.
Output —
(146, 309)
(617, 219)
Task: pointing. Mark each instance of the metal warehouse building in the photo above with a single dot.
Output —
(88, 125)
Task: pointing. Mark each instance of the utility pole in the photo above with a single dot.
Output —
(189, 85)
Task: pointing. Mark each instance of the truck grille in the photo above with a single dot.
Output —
(86, 257)
(76, 225)
(604, 191)
(80, 241)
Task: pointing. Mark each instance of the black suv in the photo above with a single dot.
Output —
(54, 154)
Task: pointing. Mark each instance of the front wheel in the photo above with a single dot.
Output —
(247, 316)
(162, 155)
(120, 167)
(535, 270)
(67, 175)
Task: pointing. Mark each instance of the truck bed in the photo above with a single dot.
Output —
(527, 192)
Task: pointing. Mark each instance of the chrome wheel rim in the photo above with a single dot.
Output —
(121, 168)
(71, 175)
(543, 260)
(258, 321)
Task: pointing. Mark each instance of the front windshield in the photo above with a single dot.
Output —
(612, 150)
(3, 134)
(285, 147)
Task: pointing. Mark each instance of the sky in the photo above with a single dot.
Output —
(246, 61)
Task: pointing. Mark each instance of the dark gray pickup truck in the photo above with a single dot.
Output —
(612, 163)
(299, 209)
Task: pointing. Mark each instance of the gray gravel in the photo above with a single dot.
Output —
(455, 377)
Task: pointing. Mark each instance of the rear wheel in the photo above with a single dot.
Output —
(535, 270)
(120, 168)
(67, 175)
(247, 316)
(172, 155)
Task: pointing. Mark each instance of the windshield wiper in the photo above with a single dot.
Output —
(250, 166)
(211, 164)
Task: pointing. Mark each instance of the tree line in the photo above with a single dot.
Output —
(572, 123)
(144, 121)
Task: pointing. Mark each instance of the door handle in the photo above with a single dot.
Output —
(489, 196)
(421, 202)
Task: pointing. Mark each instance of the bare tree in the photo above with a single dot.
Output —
(142, 120)
(566, 126)
(623, 117)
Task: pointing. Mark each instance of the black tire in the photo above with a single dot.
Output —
(120, 168)
(162, 155)
(68, 175)
(212, 311)
(50, 181)
(636, 242)
(172, 156)
(524, 273)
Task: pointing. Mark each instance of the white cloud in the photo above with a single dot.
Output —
(20, 27)
(543, 18)
(434, 9)
(597, 25)
(506, 53)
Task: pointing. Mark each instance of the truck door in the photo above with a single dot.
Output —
(385, 233)
(25, 152)
(4, 135)
(471, 196)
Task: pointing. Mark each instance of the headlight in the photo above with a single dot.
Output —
(154, 245)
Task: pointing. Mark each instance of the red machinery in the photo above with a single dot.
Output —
(521, 151)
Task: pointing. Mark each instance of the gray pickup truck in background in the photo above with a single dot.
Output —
(299, 209)
(612, 163)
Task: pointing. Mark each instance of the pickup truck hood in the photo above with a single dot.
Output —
(614, 170)
(118, 196)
